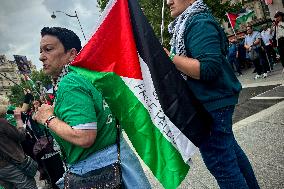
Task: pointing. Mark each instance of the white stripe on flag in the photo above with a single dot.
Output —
(103, 16)
(145, 92)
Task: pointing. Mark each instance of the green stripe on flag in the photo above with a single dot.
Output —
(154, 149)
(242, 18)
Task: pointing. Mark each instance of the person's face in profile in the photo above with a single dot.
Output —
(178, 6)
(53, 55)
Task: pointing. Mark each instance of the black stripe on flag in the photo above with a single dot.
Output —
(176, 98)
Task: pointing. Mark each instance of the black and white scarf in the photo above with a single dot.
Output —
(55, 81)
(178, 26)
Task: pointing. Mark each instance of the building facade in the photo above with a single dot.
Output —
(274, 6)
(9, 74)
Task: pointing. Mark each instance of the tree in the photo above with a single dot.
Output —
(219, 10)
(153, 8)
(17, 92)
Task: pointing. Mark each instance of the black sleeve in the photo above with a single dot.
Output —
(28, 98)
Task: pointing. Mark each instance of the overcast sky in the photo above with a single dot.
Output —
(22, 20)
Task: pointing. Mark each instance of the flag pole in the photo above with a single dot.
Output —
(162, 24)
(33, 86)
(11, 80)
(231, 24)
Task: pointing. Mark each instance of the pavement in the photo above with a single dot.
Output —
(259, 130)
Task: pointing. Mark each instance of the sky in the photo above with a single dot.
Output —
(22, 20)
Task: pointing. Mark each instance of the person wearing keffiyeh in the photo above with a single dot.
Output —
(198, 49)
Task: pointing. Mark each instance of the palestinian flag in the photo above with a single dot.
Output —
(237, 19)
(29, 81)
(243, 17)
(163, 120)
(232, 19)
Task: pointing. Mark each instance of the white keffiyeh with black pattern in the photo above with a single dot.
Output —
(178, 26)
(55, 82)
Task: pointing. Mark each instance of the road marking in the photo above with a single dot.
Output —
(258, 97)
(265, 83)
(279, 107)
(266, 98)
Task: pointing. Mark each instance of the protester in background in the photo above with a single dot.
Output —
(81, 121)
(280, 36)
(26, 109)
(252, 45)
(48, 158)
(267, 36)
(242, 55)
(233, 55)
(11, 150)
(28, 98)
(274, 41)
(201, 57)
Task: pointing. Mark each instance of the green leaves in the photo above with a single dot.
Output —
(17, 92)
(153, 11)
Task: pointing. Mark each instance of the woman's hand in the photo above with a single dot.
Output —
(43, 113)
(18, 117)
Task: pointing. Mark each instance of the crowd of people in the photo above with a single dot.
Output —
(78, 134)
(32, 143)
(263, 49)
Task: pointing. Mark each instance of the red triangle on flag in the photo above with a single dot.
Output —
(232, 19)
(112, 48)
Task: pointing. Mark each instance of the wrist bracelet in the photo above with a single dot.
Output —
(49, 120)
(172, 56)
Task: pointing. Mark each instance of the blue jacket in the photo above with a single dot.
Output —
(233, 48)
(206, 41)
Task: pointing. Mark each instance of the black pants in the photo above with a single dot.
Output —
(281, 49)
(271, 55)
(257, 66)
(54, 168)
(264, 62)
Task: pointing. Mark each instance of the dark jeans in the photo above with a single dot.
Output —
(235, 63)
(223, 157)
(271, 55)
(257, 66)
(264, 62)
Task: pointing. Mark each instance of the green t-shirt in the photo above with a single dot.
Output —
(79, 104)
(10, 117)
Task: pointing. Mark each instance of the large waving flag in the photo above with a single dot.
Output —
(155, 107)
(243, 17)
(237, 19)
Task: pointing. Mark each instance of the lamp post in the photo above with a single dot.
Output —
(76, 15)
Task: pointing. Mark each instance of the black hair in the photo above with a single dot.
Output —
(281, 14)
(67, 37)
(249, 26)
